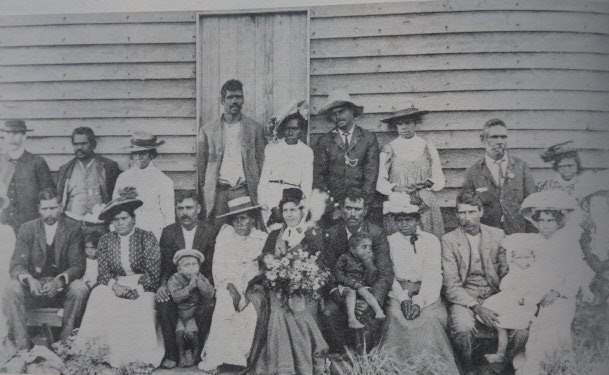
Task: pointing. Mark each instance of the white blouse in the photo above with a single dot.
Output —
(425, 266)
(410, 149)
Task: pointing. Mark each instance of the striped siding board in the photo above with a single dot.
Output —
(116, 73)
(540, 65)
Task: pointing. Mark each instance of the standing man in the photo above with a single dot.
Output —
(501, 180)
(187, 233)
(46, 268)
(348, 156)
(87, 180)
(230, 154)
(473, 263)
(23, 173)
(334, 322)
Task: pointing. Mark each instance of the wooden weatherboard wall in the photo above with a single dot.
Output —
(116, 73)
(541, 65)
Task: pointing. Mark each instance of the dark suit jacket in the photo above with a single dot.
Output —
(331, 173)
(31, 175)
(30, 249)
(456, 254)
(336, 243)
(172, 240)
(506, 201)
(210, 151)
(108, 169)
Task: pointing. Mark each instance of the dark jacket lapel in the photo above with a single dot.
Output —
(338, 139)
(486, 173)
(42, 242)
(357, 134)
(60, 240)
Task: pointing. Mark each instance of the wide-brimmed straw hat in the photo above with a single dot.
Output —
(127, 201)
(404, 113)
(400, 204)
(547, 200)
(338, 98)
(15, 126)
(144, 141)
(561, 149)
(239, 204)
(188, 253)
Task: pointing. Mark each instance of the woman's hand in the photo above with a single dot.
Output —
(162, 294)
(235, 295)
(124, 292)
(549, 298)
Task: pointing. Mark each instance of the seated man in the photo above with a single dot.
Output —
(46, 268)
(334, 322)
(188, 233)
(473, 264)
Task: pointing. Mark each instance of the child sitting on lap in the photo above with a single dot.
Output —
(355, 272)
(187, 288)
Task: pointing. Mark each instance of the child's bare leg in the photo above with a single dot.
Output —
(180, 342)
(371, 300)
(350, 299)
(196, 346)
(501, 347)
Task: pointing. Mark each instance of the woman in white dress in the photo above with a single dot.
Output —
(120, 312)
(7, 246)
(411, 165)
(235, 263)
(288, 163)
(153, 186)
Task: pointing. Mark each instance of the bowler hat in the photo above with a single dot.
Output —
(15, 126)
(338, 98)
(404, 113)
(143, 141)
(127, 201)
(188, 253)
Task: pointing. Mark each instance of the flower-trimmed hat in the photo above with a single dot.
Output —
(561, 149)
(127, 201)
(188, 253)
(15, 126)
(239, 204)
(338, 98)
(404, 113)
(552, 200)
(144, 141)
(400, 204)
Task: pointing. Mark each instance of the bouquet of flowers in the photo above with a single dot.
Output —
(295, 273)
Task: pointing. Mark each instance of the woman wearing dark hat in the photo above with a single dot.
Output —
(7, 246)
(568, 167)
(411, 165)
(235, 263)
(120, 311)
(289, 342)
(153, 186)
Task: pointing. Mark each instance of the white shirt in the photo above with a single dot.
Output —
(231, 170)
(49, 233)
(349, 135)
(425, 266)
(493, 166)
(410, 149)
(474, 243)
(189, 237)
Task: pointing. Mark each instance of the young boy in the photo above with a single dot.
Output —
(188, 287)
(355, 272)
(91, 272)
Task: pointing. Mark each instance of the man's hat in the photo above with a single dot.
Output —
(188, 253)
(338, 98)
(553, 152)
(126, 201)
(404, 113)
(144, 141)
(292, 195)
(239, 204)
(15, 126)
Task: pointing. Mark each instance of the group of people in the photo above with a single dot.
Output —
(177, 280)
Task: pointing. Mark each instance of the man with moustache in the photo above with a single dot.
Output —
(46, 268)
(86, 181)
(230, 154)
(187, 233)
(473, 264)
(334, 323)
(347, 156)
(24, 175)
(501, 180)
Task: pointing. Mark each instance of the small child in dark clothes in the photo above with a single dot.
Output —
(188, 287)
(355, 272)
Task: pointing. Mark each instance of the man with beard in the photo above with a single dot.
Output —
(230, 154)
(23, 174)
(87, 180)
(46, 268)
(501, 180)
(187, 233)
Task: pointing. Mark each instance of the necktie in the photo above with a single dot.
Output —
(501, 177)
(346, 141)
(413, 239)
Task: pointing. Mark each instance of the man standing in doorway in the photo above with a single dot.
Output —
(501, 180)
(23, 173)
(230, 153)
